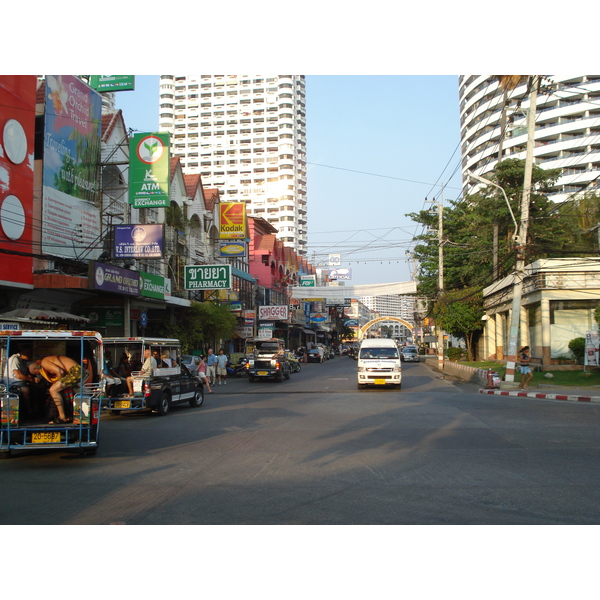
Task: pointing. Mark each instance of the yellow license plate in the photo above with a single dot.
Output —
(45, 437)
(122, 404)
(262, 373)
(379, 381)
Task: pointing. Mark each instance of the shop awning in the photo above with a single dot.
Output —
(310, 331)
(31, 314)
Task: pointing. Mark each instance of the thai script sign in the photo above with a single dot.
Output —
(208, 277)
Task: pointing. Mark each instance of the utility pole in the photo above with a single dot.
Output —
(519, 274)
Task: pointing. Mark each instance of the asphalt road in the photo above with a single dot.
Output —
(315, 450)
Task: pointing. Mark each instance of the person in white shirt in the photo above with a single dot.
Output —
(147, 369)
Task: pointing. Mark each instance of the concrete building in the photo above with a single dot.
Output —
(402, 307)
(246, 136)
(559, 299)
(567, 135)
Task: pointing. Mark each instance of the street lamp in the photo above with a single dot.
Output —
(488, 182)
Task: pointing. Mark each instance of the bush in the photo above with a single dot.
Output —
(577, 347)
(455, 354)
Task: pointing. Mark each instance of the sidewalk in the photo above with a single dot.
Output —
(550, 392)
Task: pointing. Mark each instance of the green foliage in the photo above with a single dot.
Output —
(201, 324)
(597, 315)
(455, 354)
(459, 313)
(577, 347)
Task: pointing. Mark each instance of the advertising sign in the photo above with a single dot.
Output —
(113, 279)
(592, 343)
(139, 241)
(208, 277)
(112, 83)
(153, 286)
(71, 168)
(232, 248)
(273, 313)
(232, 220)
(308, 281)
(149, 170)
(341, 273)
(106, 317)
(317, 317)
(244, 331)
(17, 128)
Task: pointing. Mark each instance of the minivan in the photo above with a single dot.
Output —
(379, 363)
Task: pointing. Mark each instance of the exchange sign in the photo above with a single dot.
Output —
(208, 277)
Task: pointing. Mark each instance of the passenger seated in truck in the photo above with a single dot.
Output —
(30, 389)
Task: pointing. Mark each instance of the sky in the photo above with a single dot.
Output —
(377, 146)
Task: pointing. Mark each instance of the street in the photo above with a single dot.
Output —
(315, 450)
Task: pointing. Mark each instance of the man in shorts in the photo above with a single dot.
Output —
(222, 367)
(211, 366)
(61, 372)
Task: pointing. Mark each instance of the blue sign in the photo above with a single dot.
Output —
(144, 319)
(139, 241)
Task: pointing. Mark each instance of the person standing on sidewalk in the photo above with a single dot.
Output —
(526, 374)
(222, 361)
(211, 366)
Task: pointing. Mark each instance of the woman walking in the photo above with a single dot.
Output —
(201, 373)
(526, 374)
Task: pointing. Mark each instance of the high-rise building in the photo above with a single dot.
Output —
(493, 124)
(246, 136)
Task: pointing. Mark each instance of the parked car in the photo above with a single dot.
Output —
(190, 361)
(409, 354)
(314, 355)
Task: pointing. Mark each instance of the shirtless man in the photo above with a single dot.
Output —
(61, 372)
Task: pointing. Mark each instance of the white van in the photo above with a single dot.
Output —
(379, 363)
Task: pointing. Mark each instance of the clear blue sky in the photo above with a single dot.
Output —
(376, 147)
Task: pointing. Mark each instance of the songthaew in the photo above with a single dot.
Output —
(50, 390)
(267, 359)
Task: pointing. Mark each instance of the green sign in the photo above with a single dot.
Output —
(153, 286)
(307, 281)
(208, 277)
(106, 317)
(149, 170)
(112, 83)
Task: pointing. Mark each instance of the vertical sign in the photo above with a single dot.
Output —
(232, 220)
(17, 123)
(149, 170)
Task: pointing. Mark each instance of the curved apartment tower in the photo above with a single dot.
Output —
(567, 130)
(246, 136)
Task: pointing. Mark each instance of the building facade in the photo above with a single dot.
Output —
(246, 136)
(493, 126)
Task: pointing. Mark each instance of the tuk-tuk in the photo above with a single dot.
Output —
(26, 417)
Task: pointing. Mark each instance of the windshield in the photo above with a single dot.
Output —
(378, 353)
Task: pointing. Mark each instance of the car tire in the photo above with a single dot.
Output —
(288, 372)
(198, 399)
(360, 386)
(165, 404)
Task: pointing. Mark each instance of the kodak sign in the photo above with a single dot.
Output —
(232, 220)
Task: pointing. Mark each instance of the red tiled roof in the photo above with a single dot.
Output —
(210, 198)
(192, 181)
(109, 120)
(267, 243)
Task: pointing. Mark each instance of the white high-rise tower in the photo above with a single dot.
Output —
(246, 136)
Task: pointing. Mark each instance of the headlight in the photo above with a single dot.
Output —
(360, 369)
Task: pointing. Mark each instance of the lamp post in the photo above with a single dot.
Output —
(488, 182)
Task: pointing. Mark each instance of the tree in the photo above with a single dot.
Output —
(459, 313)
(202, 323)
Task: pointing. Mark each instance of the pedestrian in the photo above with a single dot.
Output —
(222, 361)
(526, 374)
(211, 366)
(201, 373)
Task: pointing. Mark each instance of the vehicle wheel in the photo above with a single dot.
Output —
(279, 377)
(165, 404)
(251, 378)
(287, 373)
(198, 399)
(114, 413)
(298, 368)
(5, 454)
(360, 386)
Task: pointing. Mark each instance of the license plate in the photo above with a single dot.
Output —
(122, 404)
(45, 437)
(262, 373)
(379, 381)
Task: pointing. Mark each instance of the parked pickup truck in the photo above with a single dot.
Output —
(267, 359)
(171, 382)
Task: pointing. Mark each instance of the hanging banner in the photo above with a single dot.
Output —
(149, 170)
(232, 220)
(592, 343)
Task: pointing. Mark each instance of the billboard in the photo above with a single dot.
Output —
(17, 128)
(71, 169)
(149, 170)
(139, 241)
(232, 220)
(341, 273)
(232, 249)
(273, 313)
(109, 278)
(207, 277)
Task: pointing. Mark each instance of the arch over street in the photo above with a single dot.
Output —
(367, 326)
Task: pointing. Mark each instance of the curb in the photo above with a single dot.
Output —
(564, 397)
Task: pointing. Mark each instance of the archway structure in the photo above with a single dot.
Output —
(367, 326)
